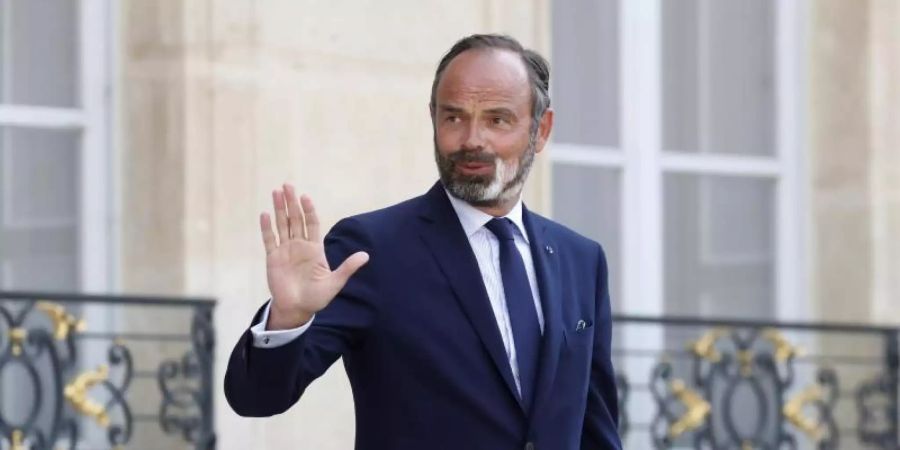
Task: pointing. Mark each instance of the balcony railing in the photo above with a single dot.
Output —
(85, 371)
(81, 371)
(732, 384)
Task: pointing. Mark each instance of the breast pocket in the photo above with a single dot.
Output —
(580, 334)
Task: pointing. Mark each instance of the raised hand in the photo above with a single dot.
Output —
(300, 281)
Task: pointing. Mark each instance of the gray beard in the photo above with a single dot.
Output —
(503, 186)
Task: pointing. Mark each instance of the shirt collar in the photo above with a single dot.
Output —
(473, 219)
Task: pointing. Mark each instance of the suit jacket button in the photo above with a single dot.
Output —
(529, 446)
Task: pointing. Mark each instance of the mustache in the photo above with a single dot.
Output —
(468, 156)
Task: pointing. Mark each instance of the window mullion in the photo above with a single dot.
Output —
(641, 138)
(791, 277)
(95, 230)
(42, 117)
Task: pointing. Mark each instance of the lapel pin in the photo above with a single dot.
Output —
(549, 249)
(581, 325)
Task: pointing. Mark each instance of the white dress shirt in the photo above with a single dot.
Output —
(487, 253)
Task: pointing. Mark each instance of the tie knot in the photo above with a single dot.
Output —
(501, 227)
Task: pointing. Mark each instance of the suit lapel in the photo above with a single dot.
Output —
(544, 252)
(450, 246)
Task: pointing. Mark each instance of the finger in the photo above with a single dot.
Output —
(295, 215)
(265, 224)
(280, 217)
(349, 267)
(310, 218)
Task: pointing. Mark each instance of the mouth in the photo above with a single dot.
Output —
(475, 168)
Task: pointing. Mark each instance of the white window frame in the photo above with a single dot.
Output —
(643, 162)
(97, 241)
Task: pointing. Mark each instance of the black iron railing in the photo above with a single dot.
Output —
(86, 371)
(731, 384)
(81, 371)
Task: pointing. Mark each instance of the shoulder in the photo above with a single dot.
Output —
(380, 222)
(573, 241)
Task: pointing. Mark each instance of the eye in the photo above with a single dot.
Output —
(498, 120)
(451, 119)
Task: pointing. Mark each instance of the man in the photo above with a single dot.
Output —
(465, 320)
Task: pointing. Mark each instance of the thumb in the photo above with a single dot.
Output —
(350, 266)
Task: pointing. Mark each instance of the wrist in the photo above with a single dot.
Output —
(286, 319)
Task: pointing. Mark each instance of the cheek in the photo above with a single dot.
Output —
(511, 147)
(447, 140)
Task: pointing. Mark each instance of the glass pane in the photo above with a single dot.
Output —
(718, 76)
(39, 52)
(588, 200)
(41, 172)
(585, 72)
(39, 203)
(55, 270)
(719, 245)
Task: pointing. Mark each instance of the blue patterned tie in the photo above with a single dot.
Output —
(520, 304)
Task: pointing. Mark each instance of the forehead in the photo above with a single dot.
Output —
(485, 74)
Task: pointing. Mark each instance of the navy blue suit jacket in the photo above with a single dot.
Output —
(422, 349)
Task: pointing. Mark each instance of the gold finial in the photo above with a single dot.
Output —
(697, 409)
(76, 394)
(793, 412)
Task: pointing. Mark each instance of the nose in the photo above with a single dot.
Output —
(473, 139)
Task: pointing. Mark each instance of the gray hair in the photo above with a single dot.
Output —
(537, 67)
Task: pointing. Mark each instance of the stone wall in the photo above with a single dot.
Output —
(854, 159)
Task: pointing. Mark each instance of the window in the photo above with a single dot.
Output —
(54, 142)
(55, 232)
(676, 147)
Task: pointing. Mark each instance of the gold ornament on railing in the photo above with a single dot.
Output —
(17, 338)
(705, 347)
(784, 350)
(745, 357)
(793, 412)
(697, 409)
(76, 394)
(63, 322)
(17, 441)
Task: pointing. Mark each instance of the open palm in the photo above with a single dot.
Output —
(300, 281)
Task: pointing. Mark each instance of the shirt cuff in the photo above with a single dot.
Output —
(263, 338)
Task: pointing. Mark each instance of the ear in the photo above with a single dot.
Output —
(431, 113)
(544, 129)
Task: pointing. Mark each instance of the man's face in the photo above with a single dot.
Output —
(484, 139)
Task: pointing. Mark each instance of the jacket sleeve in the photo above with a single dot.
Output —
(602, 413)
(263, 382)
